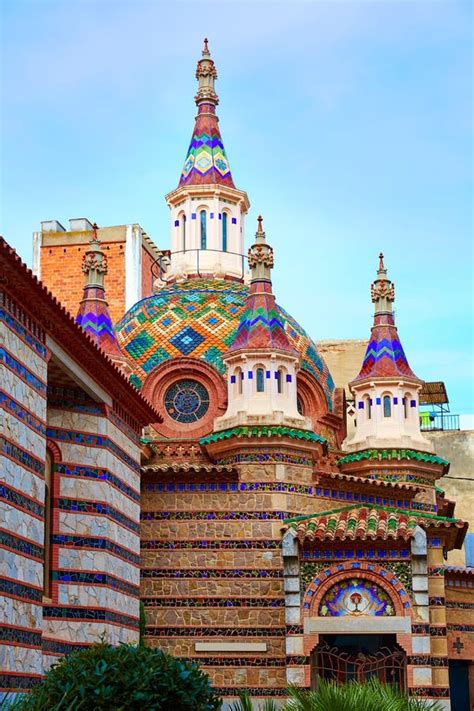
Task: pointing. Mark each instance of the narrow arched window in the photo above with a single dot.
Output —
(279, 381)
(183, 233)
(260, 380)
(368, 408)
(238, 381)
(48, 469)
(405, 406)
(203, 229)
(224, 231)
(387, 406)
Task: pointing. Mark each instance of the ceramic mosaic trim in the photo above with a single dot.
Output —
(18, 681)
(216, 632)
(99, 474)
(257, 691)
(23, 333)
(263, 431)
(84, 542)
(20, 545)
(209, 573)
(93, 440)
(18, 500)
(331, 554)
(397, 454)
(214, 515)
(227, 602)
(88, 614)
(265, 457)
(355, 597)
(73, 576)
(99, 509)
(22, 372)
(21, 456)
(22, 637)
(22, 414)
(21, 590)
(211, 545)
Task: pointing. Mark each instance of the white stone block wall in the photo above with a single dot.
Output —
(96, 531)
(23, 382)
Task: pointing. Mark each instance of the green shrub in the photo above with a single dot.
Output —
(365, 696)
(122, 678)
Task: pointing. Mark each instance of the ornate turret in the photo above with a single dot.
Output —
(261, 362)
(386, 389)
(93, 314)
(207, 211)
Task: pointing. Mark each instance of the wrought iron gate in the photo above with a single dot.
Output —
(387, 664)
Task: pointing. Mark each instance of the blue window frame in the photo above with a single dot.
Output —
(202, 216)
(224, 231)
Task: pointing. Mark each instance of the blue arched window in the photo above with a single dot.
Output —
(387, 406)
(260, 380)
(224, 231)
(183, 232)
(203, 229)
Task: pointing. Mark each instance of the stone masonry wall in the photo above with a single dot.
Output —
(95, 541)
(23, 374)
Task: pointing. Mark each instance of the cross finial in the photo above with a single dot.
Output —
(381, 264)
(205, 48)
(260, 227)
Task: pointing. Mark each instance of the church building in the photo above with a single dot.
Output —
(182, 444)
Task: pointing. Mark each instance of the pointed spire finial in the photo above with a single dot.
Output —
(382, 290)
(94, 262)
(260, 255)
(205, 50)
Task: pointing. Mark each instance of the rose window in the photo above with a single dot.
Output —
(186, 401)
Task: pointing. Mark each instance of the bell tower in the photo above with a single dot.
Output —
(207, 210)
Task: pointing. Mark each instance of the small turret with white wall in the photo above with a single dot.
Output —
(261, 363)
(386, 391)
(207, 210)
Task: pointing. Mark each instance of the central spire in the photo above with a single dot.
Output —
(206, 161)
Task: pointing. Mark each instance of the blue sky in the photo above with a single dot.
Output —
(349, 124)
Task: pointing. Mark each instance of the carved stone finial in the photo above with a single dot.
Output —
(94, 261)
(382, 291)
(260, 254)
(206, 47)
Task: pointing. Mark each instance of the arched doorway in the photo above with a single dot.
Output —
(347, 657)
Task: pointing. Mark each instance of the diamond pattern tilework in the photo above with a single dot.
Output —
(384, 356)
(160, 327)
(206, 161)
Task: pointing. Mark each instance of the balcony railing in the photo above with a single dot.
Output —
(431, 421)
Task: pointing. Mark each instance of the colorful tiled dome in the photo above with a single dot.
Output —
(199, 318)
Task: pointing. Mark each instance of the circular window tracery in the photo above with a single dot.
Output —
(186, 401)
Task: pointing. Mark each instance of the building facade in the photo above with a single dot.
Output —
(276, 547)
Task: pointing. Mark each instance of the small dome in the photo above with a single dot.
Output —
(198, 318)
